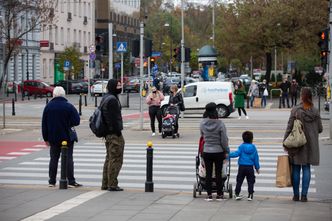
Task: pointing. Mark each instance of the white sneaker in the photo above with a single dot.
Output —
(247, 117)
(153, 134)
(239, 118)
(238, 197)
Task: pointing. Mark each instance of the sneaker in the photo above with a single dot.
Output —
(117, 188)
(220, 198)
(74, 185)
(247, 117)
(209, 198)
(238, 197)
(51, 185)
(250, 197)
(239, 118)
(296, 198)
(304, 199)
(153, 134)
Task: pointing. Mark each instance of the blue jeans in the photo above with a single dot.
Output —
(263, 101)
(306, 175)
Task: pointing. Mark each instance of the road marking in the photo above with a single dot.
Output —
(64, 206)
(33, 149)
(18, 153)
(6, 158)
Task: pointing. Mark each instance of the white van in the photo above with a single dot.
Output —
(197, 95)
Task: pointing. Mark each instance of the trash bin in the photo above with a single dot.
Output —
(124, 99)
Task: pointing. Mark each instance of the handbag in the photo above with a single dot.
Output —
(283, 175)
(296, 138)
(265, 93)
(73, 135)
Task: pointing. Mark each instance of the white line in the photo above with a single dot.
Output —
(19, 153)
(6, 158)
(65, 206)
(33, 149)
(40, 145)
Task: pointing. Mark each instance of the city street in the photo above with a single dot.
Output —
(25, 157)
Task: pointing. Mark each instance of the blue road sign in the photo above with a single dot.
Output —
(156, 54)
(66, 65)
(121, 47)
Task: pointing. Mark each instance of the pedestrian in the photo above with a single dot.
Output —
(114, 140)
(215, 148)
(284, 86)
(59, 118)
(294, 87)
(240, 94)
(248, 160)
(265, 93)
(253, 92)
(176, 99)
(302, 158)
(154, 100)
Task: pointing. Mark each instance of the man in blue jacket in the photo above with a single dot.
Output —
(248, 159)
(59, 117)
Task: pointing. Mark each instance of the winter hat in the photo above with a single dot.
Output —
(211, 107)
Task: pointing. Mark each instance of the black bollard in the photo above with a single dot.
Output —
(248, 98)
(22, 96)
(95, 100)
(15, 95)
(7, 92)
(149, 168)
(13, 107)
(280, 98)
(47, 100)
(80, 106)
(85, 100)
(63, 180)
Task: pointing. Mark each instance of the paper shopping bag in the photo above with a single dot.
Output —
(283, 176)
(257, 102)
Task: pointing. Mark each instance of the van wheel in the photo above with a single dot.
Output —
(222, 111)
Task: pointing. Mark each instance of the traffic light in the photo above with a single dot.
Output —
(135, 48)
(147, 48)
(187, 55)
(324, 40)
(177, 54)
(99, 43)
(152, 61)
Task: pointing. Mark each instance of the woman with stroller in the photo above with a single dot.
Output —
(176, 99)
(153, 100)
(215, 148)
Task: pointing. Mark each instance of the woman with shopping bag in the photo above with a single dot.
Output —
(303, 157)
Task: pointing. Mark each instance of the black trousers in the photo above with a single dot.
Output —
(55, 151)
(245, 172)
(294, 99)
(243, 110)
(283, 98)
(154, 112)
(217, 160)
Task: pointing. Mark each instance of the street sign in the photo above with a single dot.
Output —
(156, 54)
(92, 48)
(92, 56)
(66, 65)
(121, 47)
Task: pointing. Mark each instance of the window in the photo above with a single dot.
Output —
(89, 38)
(62, 36)
(75, 36)
(84, 9)
(89, 11)
(190, 91)
(50, 33)
(84, 38)
(56, 35)
(80, 9)
(61, 6)
(44, 68)
(68, 35)
(75, 8)
(79, 36)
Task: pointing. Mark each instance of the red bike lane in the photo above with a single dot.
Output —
(12, 149)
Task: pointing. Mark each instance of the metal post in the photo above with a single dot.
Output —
(80, 105)
(213, 22)
(63, 179)
(149, 72)
(95, 100)
(149, 168)
(15, 92)
(46, 100)
(13, 107)
(330, 68)
(141, 72)
(110, 58)
(122, 72)
(182, 48)
(85, 100)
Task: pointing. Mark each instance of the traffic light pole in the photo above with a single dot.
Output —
(182, 48)
(330, 66)
(110, 50)
(141, 69)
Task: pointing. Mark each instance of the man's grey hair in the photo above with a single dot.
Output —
(59, 92)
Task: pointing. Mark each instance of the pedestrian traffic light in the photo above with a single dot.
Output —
(324, 40)
(187, 55)
(177, 54)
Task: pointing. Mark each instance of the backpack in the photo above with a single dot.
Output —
(96, 121)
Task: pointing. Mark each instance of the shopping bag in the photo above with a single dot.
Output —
(257, 102)
(296, 138)
(283, 176)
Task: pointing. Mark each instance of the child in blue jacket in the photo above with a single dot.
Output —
(248, 159)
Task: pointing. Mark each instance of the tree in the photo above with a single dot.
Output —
(12, 29)
(73, 55)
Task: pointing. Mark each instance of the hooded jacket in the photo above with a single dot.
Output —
(215, 136)
(312, 126)
(112, 109)
(248, 155)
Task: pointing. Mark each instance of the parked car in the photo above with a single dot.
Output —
(73, 86)
(99, 88)
(31, 87)
(132, 85)
(197, 95)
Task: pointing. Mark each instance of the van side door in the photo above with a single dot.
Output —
(189, 96)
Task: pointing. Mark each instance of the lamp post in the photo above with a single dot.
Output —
(182, 48)
(171, 44)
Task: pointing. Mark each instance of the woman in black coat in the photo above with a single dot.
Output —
(176, 99)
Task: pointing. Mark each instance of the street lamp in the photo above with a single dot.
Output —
(171, 45)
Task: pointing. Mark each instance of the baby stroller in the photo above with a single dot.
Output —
(200, 184)
(169, 121)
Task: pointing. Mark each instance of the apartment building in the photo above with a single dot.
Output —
(74, 26)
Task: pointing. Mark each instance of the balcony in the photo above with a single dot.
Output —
(69, 18)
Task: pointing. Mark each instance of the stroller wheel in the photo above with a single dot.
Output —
(230, 190)
(200, 188)
(178, 135)
(163, 135)
(194, 190)
(173, 136)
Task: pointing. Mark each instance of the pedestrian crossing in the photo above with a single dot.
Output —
(173, 167)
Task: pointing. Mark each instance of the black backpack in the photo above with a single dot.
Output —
(96, 121)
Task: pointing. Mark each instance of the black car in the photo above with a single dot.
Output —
(73, 87)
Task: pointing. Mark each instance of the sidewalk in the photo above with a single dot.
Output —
(42, 203)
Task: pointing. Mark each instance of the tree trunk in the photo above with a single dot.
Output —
(268, 66)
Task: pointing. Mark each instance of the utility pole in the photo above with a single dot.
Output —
(141, 69)
(213, 22)
(110, 50)
(182, 48)
(330, 66)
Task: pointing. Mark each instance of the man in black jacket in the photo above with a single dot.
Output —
(114, 141)
(284, 86)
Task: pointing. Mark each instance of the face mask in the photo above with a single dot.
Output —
(118, 90)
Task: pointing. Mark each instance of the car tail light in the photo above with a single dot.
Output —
(230, 95)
